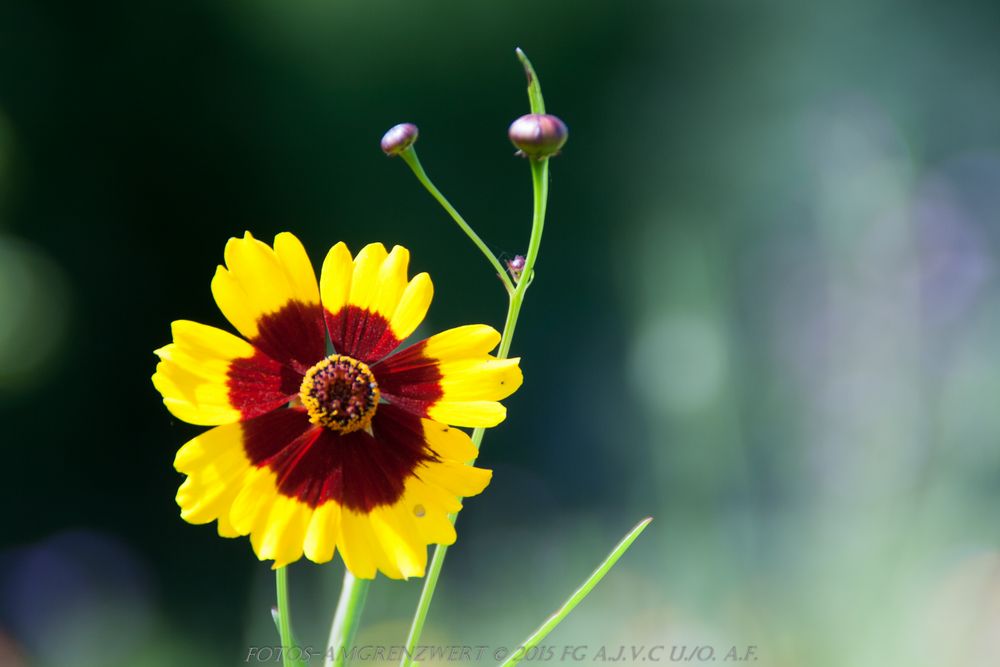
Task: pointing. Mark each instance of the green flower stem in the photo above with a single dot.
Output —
(534, 88)
(410, 157)
(284, 618)
(540, 188)
(540, 181)
(353, 594)
(540, 178)
(555, 619)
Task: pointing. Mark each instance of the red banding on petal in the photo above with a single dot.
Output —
(267, 436)
(410, 379)
(360, 333)
(293, 335)
(260, 384)
(358, 470)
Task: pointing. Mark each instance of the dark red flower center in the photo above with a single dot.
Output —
(340, 393)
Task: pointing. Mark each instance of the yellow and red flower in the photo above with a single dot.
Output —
(314, 452)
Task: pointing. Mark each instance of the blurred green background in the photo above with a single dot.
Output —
(767, 312)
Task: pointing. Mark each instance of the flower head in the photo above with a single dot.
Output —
(516, 266)
(538, 135)
(398, 138)
(312, 452)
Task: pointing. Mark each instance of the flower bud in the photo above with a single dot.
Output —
(516, 267)
(538, 136)
(399, 138)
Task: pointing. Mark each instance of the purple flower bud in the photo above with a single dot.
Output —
(538, 136)
(399, 138)
(516, 267)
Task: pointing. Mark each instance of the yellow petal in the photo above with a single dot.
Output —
(189, 398)
(471, 340)
(435, 528)
(259, 280)
(205, 343)
(433, 498)
(281, 537)
(335, 277)
(216, 468)
(356, 544)
(252, 504)
(365, 278)
(424, 504)
(321, 537)
(471, 388)
(391, 282)
(234, 302)
(295, 261)
(479, 378)
(455, 478)
(412, 307)
(399, 539)
(376, 281)
(193, 376)
(261, 274)
(471, 414)
(449, 442)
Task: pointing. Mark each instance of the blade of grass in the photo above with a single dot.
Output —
(577, 597)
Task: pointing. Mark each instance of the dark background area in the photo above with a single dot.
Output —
(766, 311)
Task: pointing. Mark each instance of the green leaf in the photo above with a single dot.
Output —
(577, 597)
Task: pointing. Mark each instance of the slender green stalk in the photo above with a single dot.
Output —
(540, 183)
(424, 603)
(534, 88)
(555, 619)
(410, 157)
(353, 594)
(540, 173)
(540, 180)
(285, 618)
